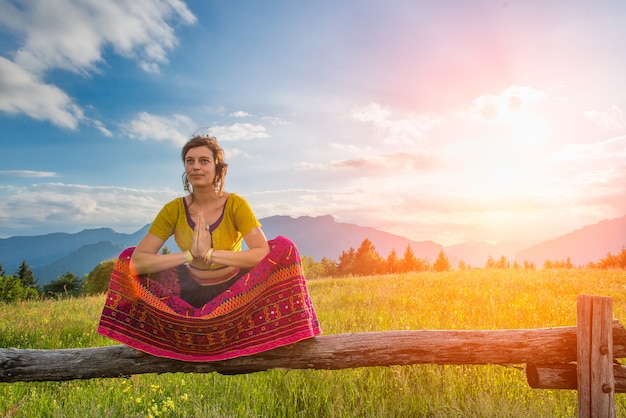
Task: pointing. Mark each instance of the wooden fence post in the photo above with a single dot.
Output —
(594, 341)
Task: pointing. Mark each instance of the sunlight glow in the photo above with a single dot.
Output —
(502, 161)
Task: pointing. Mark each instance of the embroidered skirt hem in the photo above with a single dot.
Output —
(266, 308)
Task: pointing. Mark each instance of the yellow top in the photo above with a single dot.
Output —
(227, 232)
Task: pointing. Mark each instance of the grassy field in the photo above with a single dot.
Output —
(473, 299)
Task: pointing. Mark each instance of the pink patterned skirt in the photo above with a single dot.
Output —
(267, 307)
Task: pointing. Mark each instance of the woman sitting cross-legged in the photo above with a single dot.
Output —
(213, 300)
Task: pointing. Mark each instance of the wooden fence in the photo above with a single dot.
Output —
(582, 357)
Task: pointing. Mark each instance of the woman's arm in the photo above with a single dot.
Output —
(258, 248)
(146, 259)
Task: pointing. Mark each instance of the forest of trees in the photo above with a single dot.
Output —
(23, 286)
(364, 261)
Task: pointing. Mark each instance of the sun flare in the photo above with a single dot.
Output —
(512, 135)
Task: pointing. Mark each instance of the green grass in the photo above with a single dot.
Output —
(474, 299)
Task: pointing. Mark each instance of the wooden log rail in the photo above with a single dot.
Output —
(580, 357)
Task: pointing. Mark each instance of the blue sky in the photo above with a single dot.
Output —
(449, 121)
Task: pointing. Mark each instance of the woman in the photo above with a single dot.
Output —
(211, 301)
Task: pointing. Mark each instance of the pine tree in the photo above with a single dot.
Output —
(346, 262)
(409, 262)
(441, 263)
(621, 258)
(329, 267)
(503, 263)
(26, 275)
(367, 260)
(392, 265)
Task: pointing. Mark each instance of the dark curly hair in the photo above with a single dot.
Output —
(218, 155)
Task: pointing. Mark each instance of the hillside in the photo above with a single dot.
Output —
(588, 244)
(52, 255)
(322, 236)
(81, 261)
(41, 250)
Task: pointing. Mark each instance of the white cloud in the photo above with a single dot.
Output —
(611, 119)
(373, 112)
(28, 173)
(238, 131)
(147, 127)
(396, 162)
(232, 153)
(511, 103)
(56, 205)
(274, 120)
(350, 147)
(239, 114)
(100, 126)
(401, 131)
(179, 128)
(21, 92)
(149, 67)
(603, 151)
(71, 35)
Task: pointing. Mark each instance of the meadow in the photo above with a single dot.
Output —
(471, 299)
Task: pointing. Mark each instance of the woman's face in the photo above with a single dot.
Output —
(200, 167)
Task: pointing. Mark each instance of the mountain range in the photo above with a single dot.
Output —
(52, 255)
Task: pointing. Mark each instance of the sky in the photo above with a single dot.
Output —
(446, 121)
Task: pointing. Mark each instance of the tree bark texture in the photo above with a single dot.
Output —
(338, 351)
(563, 376)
